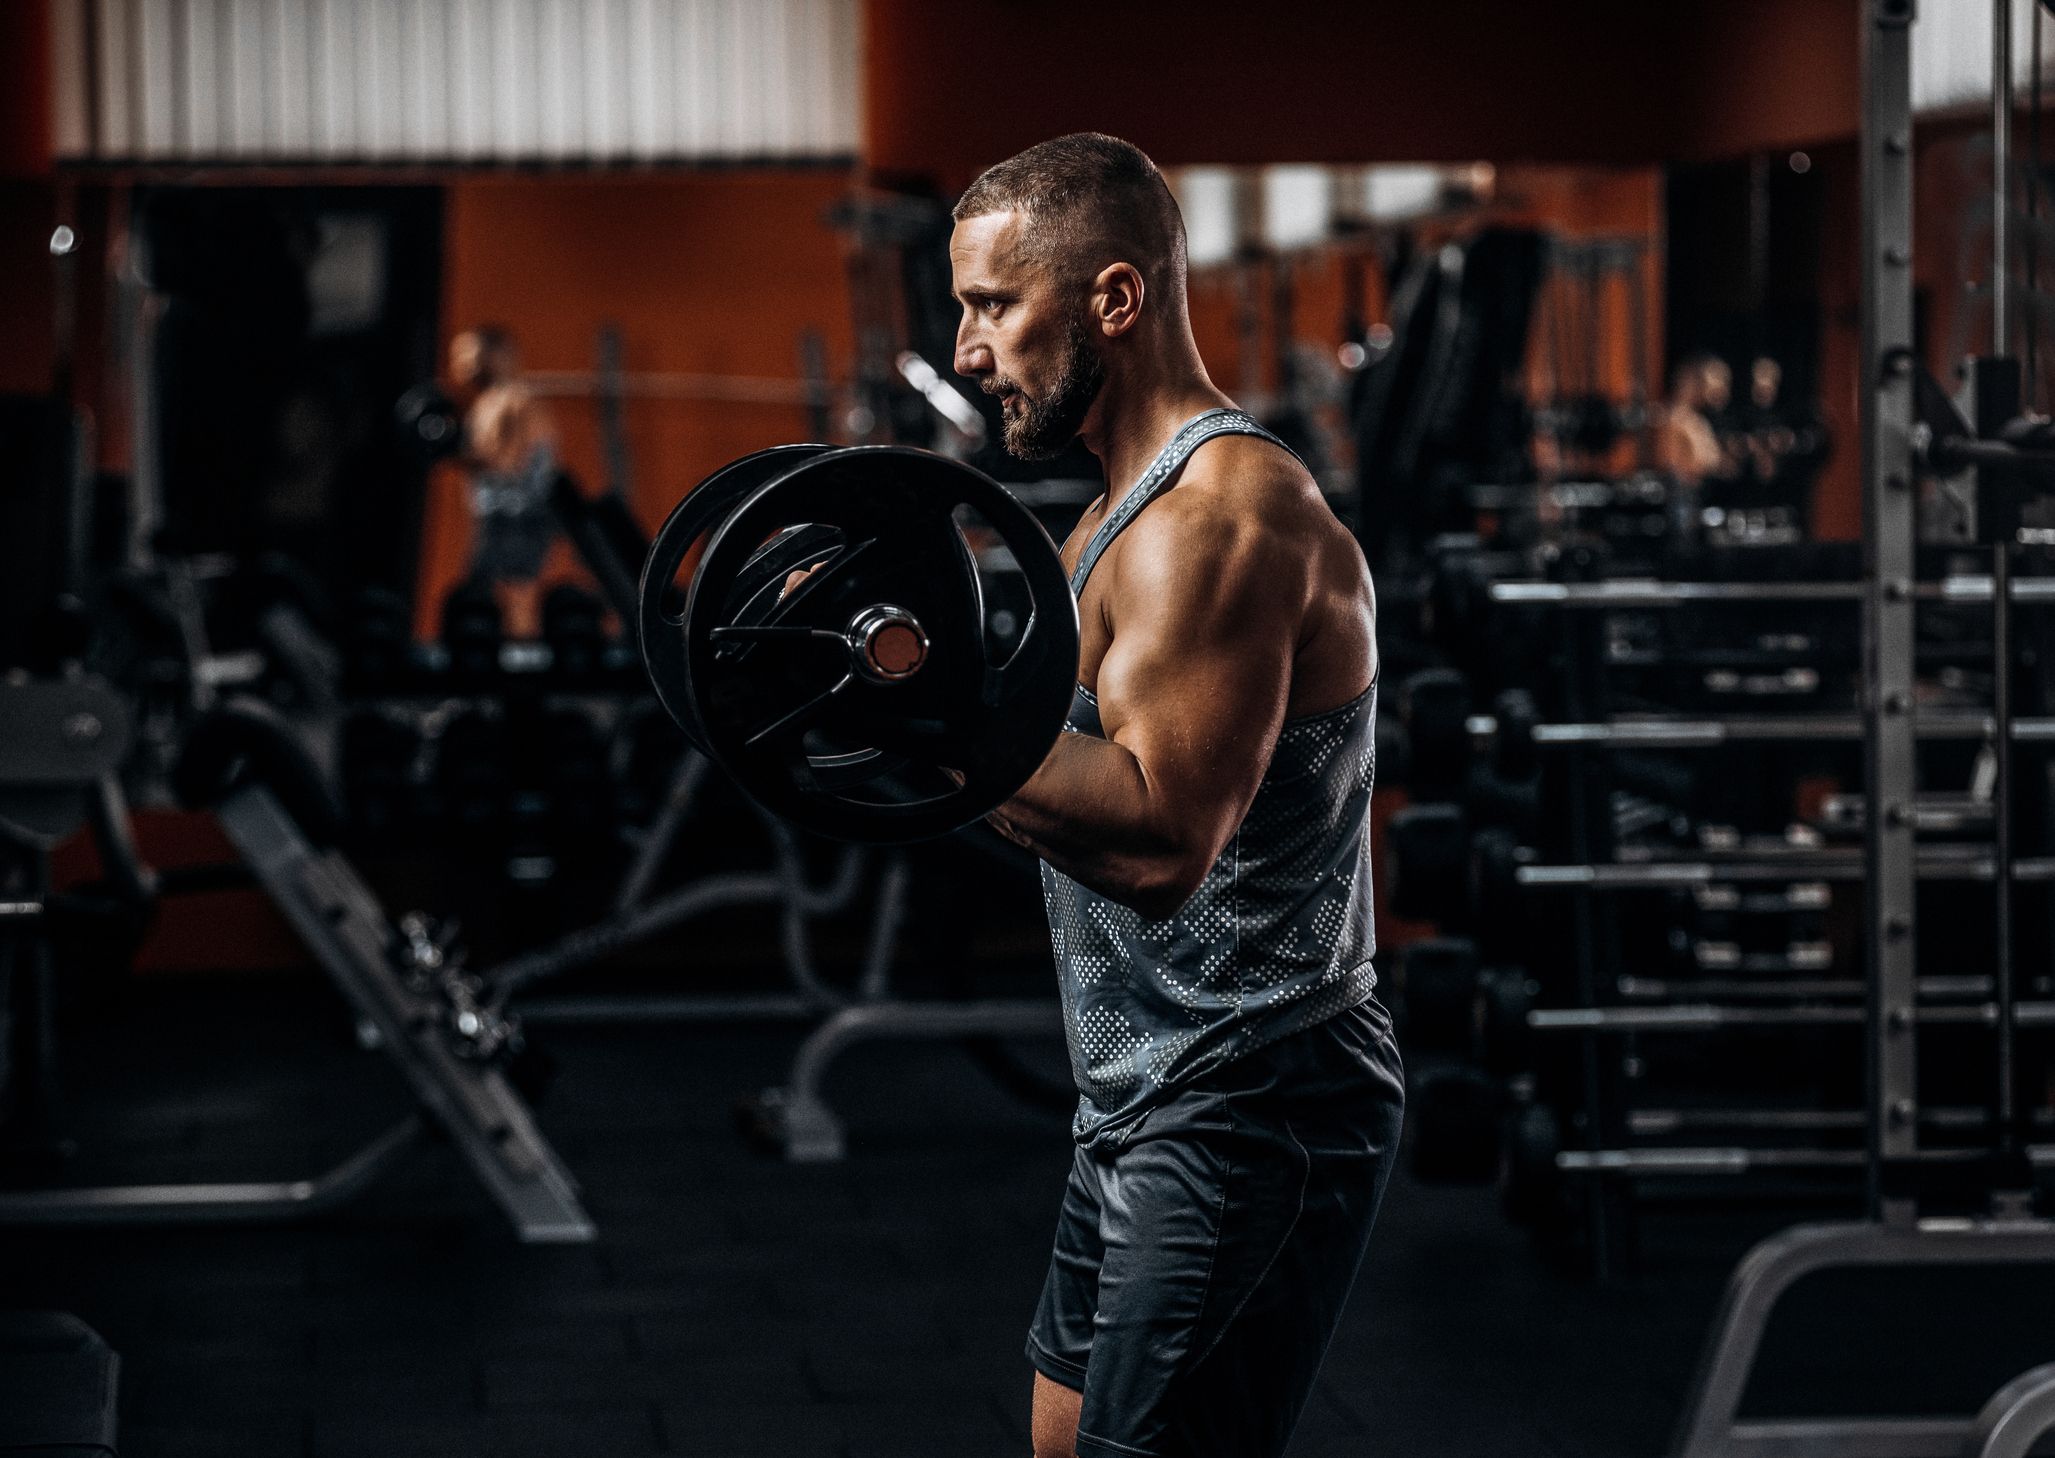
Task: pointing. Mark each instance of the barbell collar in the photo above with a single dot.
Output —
(886, 643)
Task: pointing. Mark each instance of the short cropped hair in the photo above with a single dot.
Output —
(1088, 199)
(1690, 363)
(496, 338)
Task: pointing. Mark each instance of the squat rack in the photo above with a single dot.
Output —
(1893, 1234)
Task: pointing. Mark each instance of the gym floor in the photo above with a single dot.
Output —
(735, 1305)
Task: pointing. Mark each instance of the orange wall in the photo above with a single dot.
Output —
(705, 273)
(1837, 499)
(28, 201)
(25, 88)
(1752, 75)
(1951, 268)
(952, 88)
(28, 211)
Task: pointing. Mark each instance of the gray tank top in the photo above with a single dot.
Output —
(1277, 938)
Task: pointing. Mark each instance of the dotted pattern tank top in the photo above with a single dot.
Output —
(1276, 939)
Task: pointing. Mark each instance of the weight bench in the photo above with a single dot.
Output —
(248, 764)
(58, 1384)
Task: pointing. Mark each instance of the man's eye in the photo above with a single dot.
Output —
(992, 307)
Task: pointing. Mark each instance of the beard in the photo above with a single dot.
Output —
(1045, 425)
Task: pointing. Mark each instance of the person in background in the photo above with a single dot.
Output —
(1766, 430)
(1780, 443)
(510, 450)
(1687, 443)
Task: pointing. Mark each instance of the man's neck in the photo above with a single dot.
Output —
(1130, 426)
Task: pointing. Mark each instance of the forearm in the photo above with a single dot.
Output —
(1091, 812)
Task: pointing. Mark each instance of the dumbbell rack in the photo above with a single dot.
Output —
(1941, 1001)
(1894, 1235)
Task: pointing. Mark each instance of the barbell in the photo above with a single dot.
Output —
(867, 701)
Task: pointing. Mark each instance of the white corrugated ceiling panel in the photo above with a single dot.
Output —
(1951, 52)
(455, 80)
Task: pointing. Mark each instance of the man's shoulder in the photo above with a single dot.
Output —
(1247, 464)
(1243, 485)
(1220, 524)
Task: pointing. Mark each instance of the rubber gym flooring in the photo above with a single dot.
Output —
(735, 1305)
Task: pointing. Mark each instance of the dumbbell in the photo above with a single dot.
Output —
(1459, 590)
(427, 426)
(1500, 1036)
(377, 755)
(378, 641)
(1531, 1188)
(1434, 707)
(1438, 982)
(1497, 902)
(574, 626)
(473, 774)
(581, 802)
(1457, 1116)
(1452, 1006)
(1429, 848)
(472, 630)
(1514, 716)
(647, 744)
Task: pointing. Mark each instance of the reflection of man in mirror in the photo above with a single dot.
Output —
(511, 448)
(1686, 441)
(1768, 435)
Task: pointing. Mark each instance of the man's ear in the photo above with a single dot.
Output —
(1117, 295)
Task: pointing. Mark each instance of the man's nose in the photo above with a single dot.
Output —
(972, 356)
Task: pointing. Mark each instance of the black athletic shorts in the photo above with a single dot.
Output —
(1201, 1267)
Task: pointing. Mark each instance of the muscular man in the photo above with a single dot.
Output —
(510, 446)
(1687, 443)
(1204, 829)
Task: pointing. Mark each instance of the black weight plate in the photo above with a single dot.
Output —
(762, 580)
(816, 741)
(659, 628)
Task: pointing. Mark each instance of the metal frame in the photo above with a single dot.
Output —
(1706, 1017)
(797, 1115)
(1935, 863)
(219, 1203)
(635, 918)
(1648, 592)
(1893, 1236)
(2018, 1415)
(1709, 1429)
(1663, 731)
(807, 1127)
